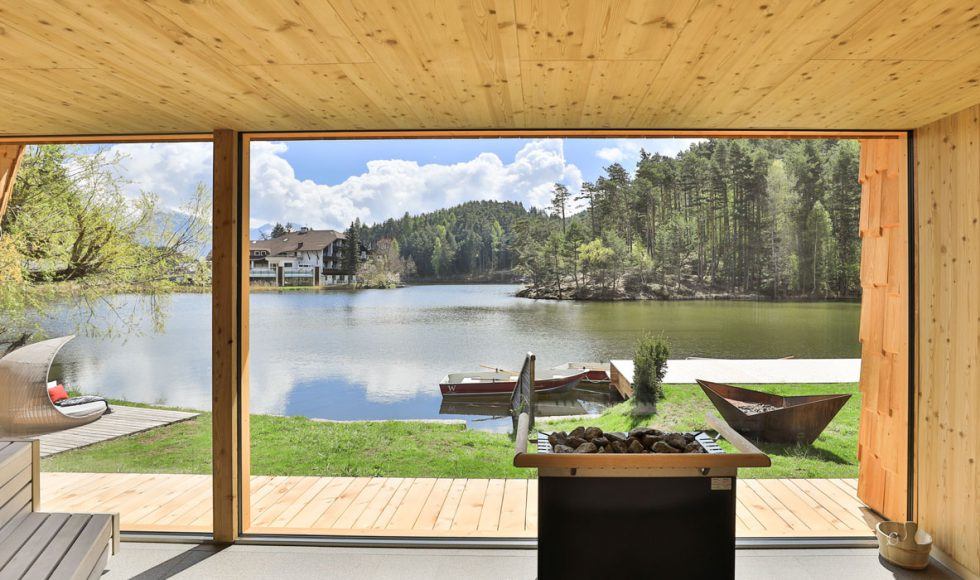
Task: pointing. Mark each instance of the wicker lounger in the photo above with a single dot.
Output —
(25, 407)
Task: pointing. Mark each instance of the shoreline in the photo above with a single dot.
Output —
(531, 294)
(654, 296)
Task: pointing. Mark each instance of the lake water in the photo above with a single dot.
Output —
(380, 354)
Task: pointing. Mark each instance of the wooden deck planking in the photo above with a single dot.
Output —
(764, 492)
(492, 505)
(450, 505)
(514, 506)
(341, 503)
(378, 503)
(317, 505)
(423, 506)
(467, 517)
(121, 422)
(409, 510)
(397, 499)
(426, 520)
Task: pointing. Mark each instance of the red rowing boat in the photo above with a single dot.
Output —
(502, 383)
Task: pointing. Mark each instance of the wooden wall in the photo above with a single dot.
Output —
(947, 162)
(883, 439)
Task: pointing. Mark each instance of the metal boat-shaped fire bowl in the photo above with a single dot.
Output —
(773, 418)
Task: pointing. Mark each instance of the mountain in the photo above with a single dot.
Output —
(260, 232)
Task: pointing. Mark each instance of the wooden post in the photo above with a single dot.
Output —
(229, 334)
(10, 158)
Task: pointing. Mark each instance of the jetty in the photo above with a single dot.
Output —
(123, 421)
(743, 371)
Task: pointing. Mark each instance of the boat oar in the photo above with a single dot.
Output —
(499, 370)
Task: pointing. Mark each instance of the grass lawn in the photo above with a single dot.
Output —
(299, 446)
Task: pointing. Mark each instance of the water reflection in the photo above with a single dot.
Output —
(381, 354)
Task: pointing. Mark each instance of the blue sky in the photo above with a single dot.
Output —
(328, 184)
(332, 162)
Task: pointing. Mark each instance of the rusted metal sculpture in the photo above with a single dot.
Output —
(773, 418)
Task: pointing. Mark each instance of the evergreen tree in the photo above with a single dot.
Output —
(559, 203)
(821, 250)
(844, 197)
(351, 258)
(806, 164)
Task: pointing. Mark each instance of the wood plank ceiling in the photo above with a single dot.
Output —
(104, 66)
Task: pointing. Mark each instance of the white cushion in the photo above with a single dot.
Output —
(83, 409)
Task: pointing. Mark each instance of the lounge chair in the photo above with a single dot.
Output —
(25, 407)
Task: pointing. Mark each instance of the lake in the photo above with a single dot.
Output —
(380, 354)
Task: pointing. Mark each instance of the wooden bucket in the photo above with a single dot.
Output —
(904, 544)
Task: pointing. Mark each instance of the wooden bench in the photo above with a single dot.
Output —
(46, 545)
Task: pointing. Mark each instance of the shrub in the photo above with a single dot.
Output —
(649, 369)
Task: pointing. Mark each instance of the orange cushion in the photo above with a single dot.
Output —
(57, 393)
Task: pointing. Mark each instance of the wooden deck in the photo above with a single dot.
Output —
(121, 422)
(379, 506)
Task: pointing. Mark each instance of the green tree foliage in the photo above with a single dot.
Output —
(649, 369)
(724, 217)
(559, 203)
(475, 238)
(280, 230)
(385, 266)
(70, 229)
(350, 259)
(443, 251)
(596, 261)
(821, 249)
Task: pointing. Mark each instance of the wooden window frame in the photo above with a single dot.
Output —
(243, 477)
(230, 284)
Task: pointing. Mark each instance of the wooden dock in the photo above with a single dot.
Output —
(380, 506)
(121, 422)
(743, 371)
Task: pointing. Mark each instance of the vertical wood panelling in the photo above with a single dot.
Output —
(947, 156)
(10, 156)
(883, 438)
(226, 317)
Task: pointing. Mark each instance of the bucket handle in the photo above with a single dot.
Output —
(910, 528)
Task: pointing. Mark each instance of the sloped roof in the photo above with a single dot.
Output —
(311, 240)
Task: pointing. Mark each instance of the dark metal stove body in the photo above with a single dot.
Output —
(639, 515)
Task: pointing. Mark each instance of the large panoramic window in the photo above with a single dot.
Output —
(105, 277)
(396, 286)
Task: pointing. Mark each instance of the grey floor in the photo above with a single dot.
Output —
(150, 561)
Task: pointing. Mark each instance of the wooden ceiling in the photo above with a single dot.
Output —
(71, 67)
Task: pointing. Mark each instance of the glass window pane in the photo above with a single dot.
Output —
(110, 244)
(391, 280)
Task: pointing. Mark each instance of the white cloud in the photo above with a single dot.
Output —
(170, 170)
(627, 151)
(389, 187)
